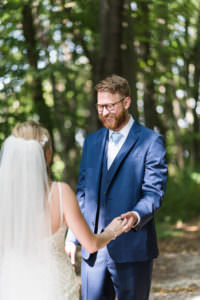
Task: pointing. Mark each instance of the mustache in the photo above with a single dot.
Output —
(107, 117)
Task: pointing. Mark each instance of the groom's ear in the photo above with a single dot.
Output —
(127, 102)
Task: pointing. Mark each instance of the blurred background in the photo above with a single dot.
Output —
(53, 52)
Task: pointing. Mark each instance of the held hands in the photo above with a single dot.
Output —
(121, 224)
(116, 227)
(131, 220)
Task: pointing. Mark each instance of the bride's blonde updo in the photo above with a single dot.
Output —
(31, 130)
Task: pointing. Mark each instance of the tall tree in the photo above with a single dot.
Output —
(111, 16)
(129, 54)
(29, 30)
(150, 114)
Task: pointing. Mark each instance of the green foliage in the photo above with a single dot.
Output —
(182, 200)
(48, 75)
(57, 168)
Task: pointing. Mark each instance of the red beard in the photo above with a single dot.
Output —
(114, 121)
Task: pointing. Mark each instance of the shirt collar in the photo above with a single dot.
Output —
(125, 130)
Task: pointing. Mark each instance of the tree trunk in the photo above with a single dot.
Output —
(196, 125)
(150, 114)
(32, 55)
(171, 116)
(108, 60)
(129, 65)
(111, 37)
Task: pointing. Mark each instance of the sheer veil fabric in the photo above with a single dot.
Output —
(27, 268)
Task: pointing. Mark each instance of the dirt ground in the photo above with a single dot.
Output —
(176, 274)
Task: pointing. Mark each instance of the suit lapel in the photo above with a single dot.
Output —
(126, 147)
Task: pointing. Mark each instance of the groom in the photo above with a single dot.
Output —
(123, 172)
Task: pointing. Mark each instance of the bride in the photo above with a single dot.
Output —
(34, 213)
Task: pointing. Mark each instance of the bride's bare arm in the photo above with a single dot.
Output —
(76, 222)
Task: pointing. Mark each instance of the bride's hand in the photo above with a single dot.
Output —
(116, 227)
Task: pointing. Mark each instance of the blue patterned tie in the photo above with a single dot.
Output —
(116, 137)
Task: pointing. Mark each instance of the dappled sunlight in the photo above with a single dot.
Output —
(176, 271)
(52, 55)
(192, 228)
(187, 227)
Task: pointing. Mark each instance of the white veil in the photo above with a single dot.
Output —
(25, 259)
(23, 205)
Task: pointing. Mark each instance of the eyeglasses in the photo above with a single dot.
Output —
(109, 107)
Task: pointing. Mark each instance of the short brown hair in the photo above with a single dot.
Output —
(114, 84)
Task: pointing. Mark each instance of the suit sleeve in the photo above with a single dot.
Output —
(70, 237)
(154, 182)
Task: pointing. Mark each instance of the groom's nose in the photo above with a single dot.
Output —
(105, 111)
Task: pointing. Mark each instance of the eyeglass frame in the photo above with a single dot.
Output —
(112, 105)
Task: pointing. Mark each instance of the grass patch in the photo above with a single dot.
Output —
(166, 231)
(182, 200)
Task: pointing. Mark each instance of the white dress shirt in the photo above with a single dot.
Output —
(113, 149)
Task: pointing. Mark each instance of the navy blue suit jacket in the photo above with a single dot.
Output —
(135, 181)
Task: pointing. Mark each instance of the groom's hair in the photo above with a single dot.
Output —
(114, 84)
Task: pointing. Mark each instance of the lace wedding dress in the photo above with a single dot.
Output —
(33, 278)
(67, 278)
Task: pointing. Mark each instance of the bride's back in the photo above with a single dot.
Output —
(56, 206)
(31, 261)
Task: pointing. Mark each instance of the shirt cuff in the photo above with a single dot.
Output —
(138, 221)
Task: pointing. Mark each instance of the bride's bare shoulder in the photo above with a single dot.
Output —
(66, 189)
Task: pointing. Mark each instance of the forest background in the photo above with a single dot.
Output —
(53, 52)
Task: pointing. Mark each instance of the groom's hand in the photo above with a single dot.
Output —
(131, 218)
(70, 249)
